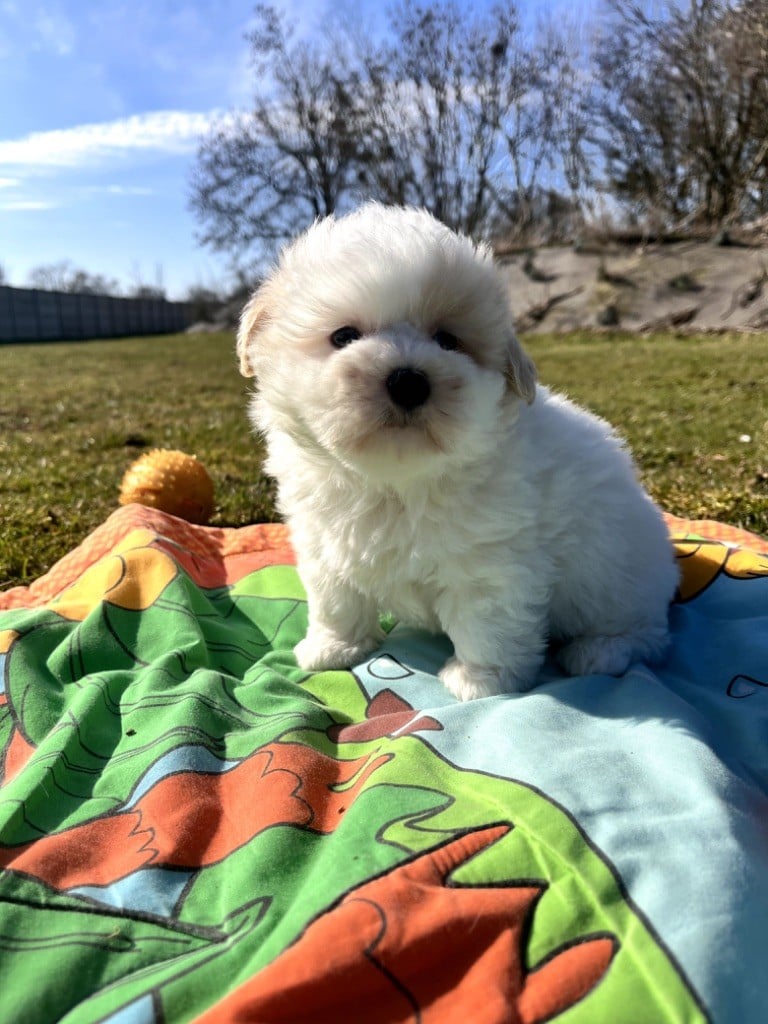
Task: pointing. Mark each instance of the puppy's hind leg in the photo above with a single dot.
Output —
(612, 655)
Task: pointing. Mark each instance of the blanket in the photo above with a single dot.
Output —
(193, 829)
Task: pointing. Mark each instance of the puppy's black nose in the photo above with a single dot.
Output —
(408, 388)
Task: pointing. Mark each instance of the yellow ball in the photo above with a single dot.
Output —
(171, 481)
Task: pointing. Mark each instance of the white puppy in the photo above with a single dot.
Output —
(422, 472)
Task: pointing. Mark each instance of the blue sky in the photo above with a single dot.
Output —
(102, 104)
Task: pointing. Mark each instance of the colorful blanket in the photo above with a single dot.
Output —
(193, 829)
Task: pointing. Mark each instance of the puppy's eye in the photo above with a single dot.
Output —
(344, 335)
(446, 340)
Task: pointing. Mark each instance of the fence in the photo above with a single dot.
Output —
(28, 314)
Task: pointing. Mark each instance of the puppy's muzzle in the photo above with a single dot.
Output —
(408, 388)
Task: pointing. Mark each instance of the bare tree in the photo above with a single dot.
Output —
(63, 277)
(681, 107)
(147, 291)
(467, 118)
(264, 174)
(451, 112)
(50, 276)
(143, 289)
(545, 131)
(205, 301)
(437, 97)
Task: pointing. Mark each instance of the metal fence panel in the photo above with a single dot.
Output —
(29, 314)
(69, 316)
(48, 317)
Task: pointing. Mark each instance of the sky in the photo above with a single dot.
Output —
(102, 107)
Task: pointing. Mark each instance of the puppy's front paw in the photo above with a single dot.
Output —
(320, 651)
(468, 682)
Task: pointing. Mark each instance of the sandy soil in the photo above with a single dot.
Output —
(685, 285)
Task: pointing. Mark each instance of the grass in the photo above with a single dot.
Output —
(693, 410)
(75, 415)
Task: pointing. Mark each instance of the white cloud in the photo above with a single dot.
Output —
(9, 182)
(46, 30)
(122, 190)
(25, 205)
(169, 131)
(55, 33)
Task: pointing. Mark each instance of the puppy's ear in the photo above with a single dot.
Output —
(253, 319)
(520, 371)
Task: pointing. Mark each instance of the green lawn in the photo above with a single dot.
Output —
(693, 409)
(75, 415)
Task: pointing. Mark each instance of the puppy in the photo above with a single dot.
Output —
(423, 472)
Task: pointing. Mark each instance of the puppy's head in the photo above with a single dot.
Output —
(385, 341)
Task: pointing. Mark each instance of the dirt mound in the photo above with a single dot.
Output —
(694, 286)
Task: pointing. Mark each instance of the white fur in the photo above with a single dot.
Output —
(496, 512)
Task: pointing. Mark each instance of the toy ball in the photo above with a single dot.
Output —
(172, 482)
